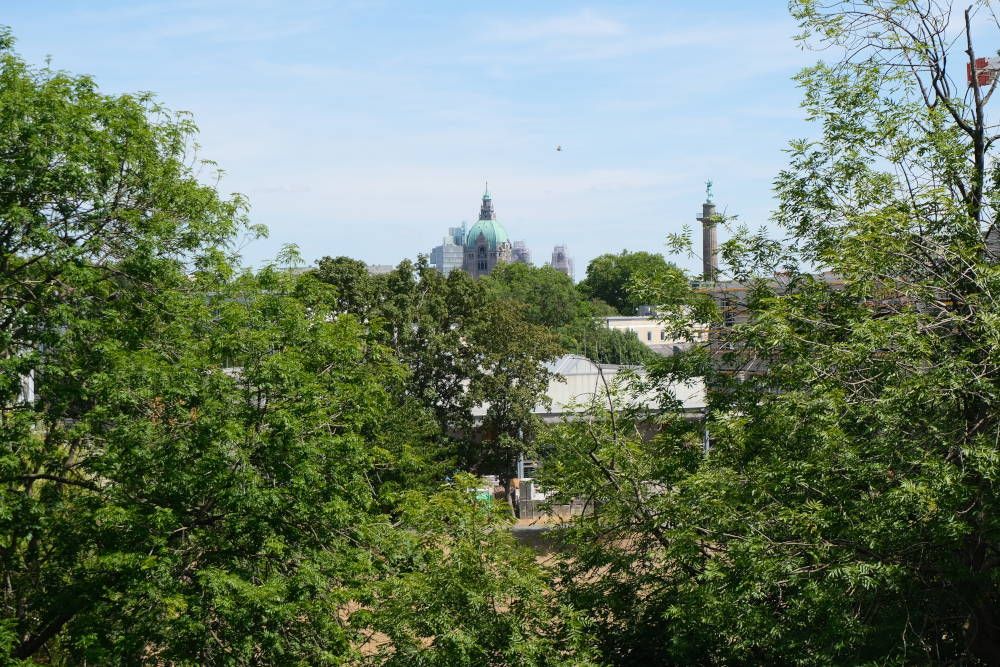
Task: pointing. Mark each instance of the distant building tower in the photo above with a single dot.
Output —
(446, 257)
(521, 253)
(457, 234)
(486, 244)
(709, 238)
(449, 255)
(561, 261)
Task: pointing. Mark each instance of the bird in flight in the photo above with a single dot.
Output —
(559, 148)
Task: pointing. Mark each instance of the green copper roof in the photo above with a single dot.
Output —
(493, 231)
(487, 226)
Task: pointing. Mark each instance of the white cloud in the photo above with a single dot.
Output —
(589, 37)
(225, 29)
(585, 23)
(309, 71)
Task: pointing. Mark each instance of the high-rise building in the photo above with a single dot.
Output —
(446, 257)
(521, 252)
(449, 255)
(561, 261)
(457, 234)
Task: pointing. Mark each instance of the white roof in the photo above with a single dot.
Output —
(574, 364)
(578, 381)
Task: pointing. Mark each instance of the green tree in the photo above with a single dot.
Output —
(99, 211)
(846, 513)
(448, 609)
(157, 507)
(356, 291)
(217, 468)
(423, 317)
(467, 343)
(634, 563)
(97, 188)
(589, 337)
(511, 381)
(621, 280)
(551, 298)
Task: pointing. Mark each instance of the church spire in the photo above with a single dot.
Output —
(486, 210)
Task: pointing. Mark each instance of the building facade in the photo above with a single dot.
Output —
(478, 250)
(447, 257)
(521, 253)
(655, 334)
(561, 261)
(451, 253)
(486, 243)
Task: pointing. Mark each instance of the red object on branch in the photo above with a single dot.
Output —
(986, 70)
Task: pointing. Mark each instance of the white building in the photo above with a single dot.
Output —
(451, 253)
(578, 382)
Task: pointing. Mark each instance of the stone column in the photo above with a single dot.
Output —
(709, 242)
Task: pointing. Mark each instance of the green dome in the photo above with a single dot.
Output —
(493, 231)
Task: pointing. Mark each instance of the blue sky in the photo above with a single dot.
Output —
(367, 128)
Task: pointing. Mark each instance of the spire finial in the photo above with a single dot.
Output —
(708, 191)
(486, 211)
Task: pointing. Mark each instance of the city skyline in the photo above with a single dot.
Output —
(380, 117)
(450, 254)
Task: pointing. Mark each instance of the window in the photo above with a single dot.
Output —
(663, 335)
(729, 311)
(482, 265)
(649, 335)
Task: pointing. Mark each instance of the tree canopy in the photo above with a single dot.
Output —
(846, 511)
(218, 466)
(550, 299)
(203, 464)
(622, 280)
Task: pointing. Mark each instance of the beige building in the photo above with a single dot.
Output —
(653, 333)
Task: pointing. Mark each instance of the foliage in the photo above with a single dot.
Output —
(95, 187)
(447, 608)
(465, 345)
(631, 563)
(512, 380)
(217, 468)
(590, 338)
(846, 513)
(550, 299)
(356, 292)
(621, 280)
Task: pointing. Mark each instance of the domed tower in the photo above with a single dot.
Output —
(486, 244)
